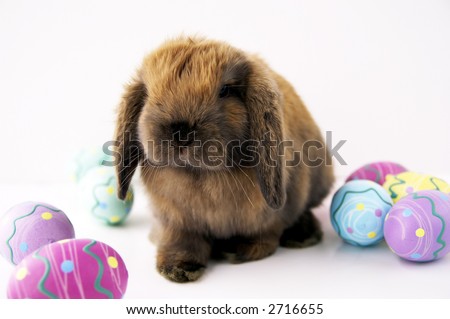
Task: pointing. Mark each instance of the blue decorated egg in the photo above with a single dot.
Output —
(98, 195)
(358, 210)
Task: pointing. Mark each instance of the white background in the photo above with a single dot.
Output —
(376, 73)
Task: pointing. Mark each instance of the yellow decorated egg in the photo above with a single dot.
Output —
(403, 184)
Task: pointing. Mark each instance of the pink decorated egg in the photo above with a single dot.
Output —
(29, 226)
(70, 269)
(376, 172)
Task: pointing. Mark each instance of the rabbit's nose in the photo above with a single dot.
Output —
(183, 133)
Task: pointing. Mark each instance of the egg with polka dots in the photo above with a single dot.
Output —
(417, 227)
(70, 269)
(98, 195)
(358, 210)
(30, 225)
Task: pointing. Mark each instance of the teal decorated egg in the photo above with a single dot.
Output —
(70, 269)
(86, 159)
(98, 195)
(358, 210)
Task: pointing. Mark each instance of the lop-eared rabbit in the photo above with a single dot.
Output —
(231, 158)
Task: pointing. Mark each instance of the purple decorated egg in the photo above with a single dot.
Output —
(70, 269)
(29, 226)
(376, 172)
(417, 226)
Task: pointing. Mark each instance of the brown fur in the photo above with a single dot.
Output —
(241, 212)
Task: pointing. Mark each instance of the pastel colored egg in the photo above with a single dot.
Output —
(30, 225)
(70, 269)
(98, 195)
(86, 159)
(358, 210)
(400, 185)
(376, 172)
(417, 227)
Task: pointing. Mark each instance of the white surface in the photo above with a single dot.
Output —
(376, 73)
(331, 269)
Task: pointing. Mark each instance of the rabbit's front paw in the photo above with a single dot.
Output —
(182, 256)
(181, 271)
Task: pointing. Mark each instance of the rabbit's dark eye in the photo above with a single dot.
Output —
(225, 91)
(228, 90)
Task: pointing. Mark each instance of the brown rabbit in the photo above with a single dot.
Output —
(230, 156)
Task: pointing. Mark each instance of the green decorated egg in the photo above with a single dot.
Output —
(98, 195)
(86, 159)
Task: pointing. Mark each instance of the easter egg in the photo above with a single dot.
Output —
(400, 185)
(417, 227)
(86, 159)
(30, 225)
(357, 212)
(98, 195)
(70, 269)
(376, 172)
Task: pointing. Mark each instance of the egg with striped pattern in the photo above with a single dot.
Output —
(30, 225)
(70, 269)
(417, 227)
(358, 210)
(376, 171)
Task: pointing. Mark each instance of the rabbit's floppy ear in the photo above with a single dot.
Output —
(126, 135)
(265, 123)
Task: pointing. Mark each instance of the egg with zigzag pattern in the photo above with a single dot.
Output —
(357, 212)
(417, 227)
(28, 226)
(70, 269)
(403, 184)
(98, 195)
(376, 171)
